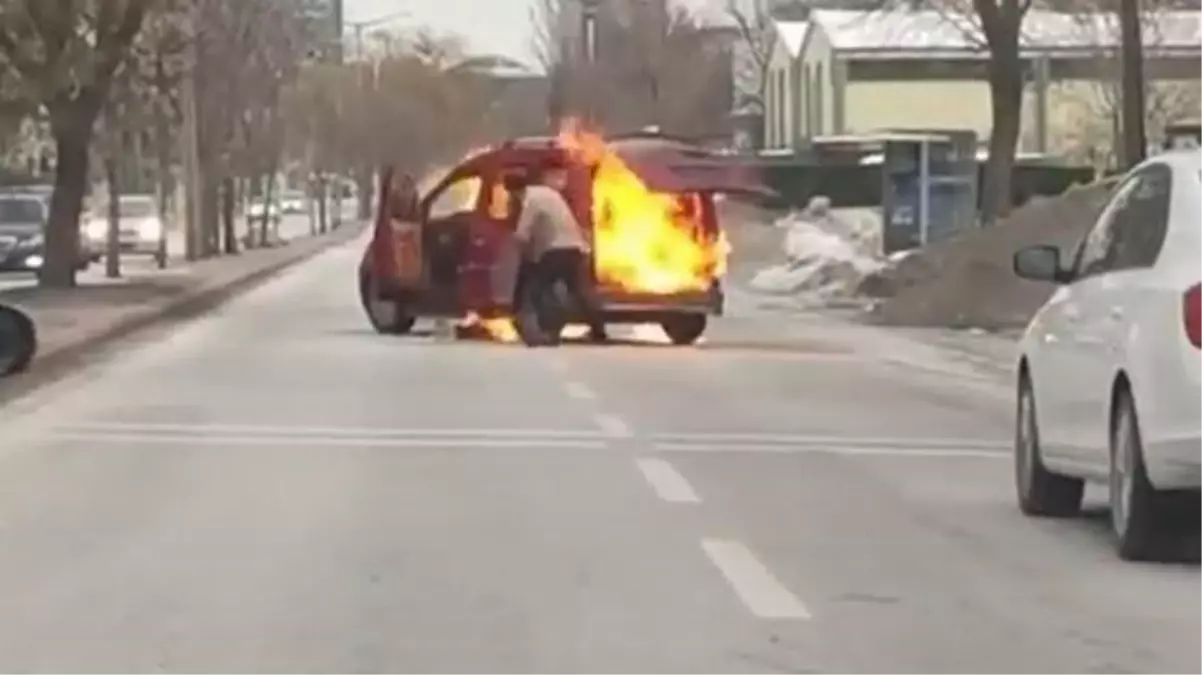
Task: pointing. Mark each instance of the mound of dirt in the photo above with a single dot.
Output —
(968, 281)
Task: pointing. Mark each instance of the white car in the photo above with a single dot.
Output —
(1109, 369)
(140, 228)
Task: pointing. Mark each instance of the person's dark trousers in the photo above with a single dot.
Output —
(571, 266)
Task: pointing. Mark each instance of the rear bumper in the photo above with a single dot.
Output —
(625, 307)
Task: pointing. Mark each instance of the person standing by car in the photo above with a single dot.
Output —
(554, 245)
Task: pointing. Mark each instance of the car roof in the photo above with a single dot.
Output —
(664, 163)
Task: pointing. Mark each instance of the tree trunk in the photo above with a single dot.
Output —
(1135, 138)
(112, 239)
(364, 182)
(1006, 98)
(71, 125)
(268, 195)
(229, 231)
(322, 205)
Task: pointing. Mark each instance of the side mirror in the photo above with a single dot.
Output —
(18, 340)
(1040, 263)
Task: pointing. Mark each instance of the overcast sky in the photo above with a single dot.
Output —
(490, 26)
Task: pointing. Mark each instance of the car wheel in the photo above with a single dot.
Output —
(684, 329)
(387, 317)
(1040, 492)
(1137, 510)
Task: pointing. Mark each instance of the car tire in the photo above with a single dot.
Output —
(1040, 491)
(1138, 511)
(387, 317)
(24, 332)
(684, 329)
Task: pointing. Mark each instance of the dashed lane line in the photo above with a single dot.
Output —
(667, 482)
(899, 452)
(760, 591)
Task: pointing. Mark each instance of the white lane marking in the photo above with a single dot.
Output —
(298, 430)
(579, 391)
(667, 481)
(322, 441)
(613, 425)
(849, 441)
(755, 585)
(901, 452)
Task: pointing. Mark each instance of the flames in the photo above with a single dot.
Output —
(643, 241)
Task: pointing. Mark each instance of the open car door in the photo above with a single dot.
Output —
(396, 248)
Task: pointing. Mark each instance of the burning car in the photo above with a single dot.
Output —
(647, 203)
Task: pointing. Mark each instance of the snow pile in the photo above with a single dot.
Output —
(827, 254)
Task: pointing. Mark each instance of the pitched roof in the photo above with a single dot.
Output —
(897, 33)
(792, 35)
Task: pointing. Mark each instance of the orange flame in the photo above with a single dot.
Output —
(643, 241)
(499, 329)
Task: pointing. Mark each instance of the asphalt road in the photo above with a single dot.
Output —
(276, 488)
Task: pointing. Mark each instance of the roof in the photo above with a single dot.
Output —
(924, 33)
(792, 35)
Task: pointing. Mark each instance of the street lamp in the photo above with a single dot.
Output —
(588, 16)
(588, 32)
(359, 26)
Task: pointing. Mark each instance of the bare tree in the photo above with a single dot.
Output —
(753, 53)
(66, 55)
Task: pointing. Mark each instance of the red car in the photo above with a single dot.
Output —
(648, 202)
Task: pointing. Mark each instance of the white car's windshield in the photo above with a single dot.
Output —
(16, 210)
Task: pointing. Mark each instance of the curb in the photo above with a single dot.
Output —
(70, 357)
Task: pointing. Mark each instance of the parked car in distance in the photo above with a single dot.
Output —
(1109, 379)
(141, 230)
(258, 207)
(22, 232)
(293, 202)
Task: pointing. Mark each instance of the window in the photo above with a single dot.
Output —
(137, 208)
(458, 197)
(819, 112)
(1142, 223)
(1093, 254)
(21, 211)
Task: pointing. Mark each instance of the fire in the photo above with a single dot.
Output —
(643, 241)
(499, 329)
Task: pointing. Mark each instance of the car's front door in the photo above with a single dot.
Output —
(457, 246)
(1077, 366)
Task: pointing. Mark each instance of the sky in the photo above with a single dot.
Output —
(490, 26)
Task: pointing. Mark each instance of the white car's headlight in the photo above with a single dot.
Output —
(97, 229)
(150, 228)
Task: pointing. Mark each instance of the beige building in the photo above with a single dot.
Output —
(843, 71)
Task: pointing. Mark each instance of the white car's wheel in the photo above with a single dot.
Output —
(1137, 511)
(1040, 492)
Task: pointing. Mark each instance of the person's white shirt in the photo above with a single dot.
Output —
(546, 222)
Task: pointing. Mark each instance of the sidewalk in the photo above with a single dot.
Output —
(99, 310)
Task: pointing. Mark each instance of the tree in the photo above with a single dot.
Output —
(66, 54)
(753, 53)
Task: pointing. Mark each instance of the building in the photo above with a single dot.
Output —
(846, 71)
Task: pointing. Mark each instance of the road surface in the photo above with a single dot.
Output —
(275, 488)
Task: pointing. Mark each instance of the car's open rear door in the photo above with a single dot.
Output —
(396, 246)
